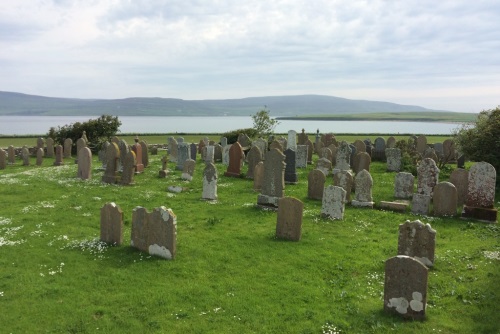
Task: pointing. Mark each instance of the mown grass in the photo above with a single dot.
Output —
(230, 273)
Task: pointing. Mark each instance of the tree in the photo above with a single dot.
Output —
(263, 123)
(97, 130)
(480, 141)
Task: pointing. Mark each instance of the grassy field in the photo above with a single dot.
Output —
(434, 116)
(230, 274)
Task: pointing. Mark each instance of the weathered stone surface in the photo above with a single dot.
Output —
(124, 149)
(326, 153)
(315, 184)
(345, 180)
(84, 164)
(302, 138)
(378, 151)
(421, 144)
(102, 154)
(273, 185)
(25, 155)
(258, 176)
(393, 206)
(360, 146)
(183, 154)
(201, 145)
(420, 204)
(391, 142)
(289, 219)
(333, 203)
(172, 149)
(155, 232)
(112, 224)
(50, 148)
(80, 143)
(11, 153)
(363, 184)
(481, 193)
(417, 240)
(262, 145)
(128, 164)
(449, 150)
(292, 140)
(137, 148)
(310, 149)
(324, 165)
(163, 172)
(40, 143)
(194, 149)
(362, 161)
(254, 156)
(188, 169)
(208, 154)
(217, 153)
(445, 199)
(3, 159)
(210, 182)
(427, 176)
(290, 170)
(223, 141)
(403, 185)
(353, 154)
(244, 140)
(277, 145)
(236, 157)
(145, 153)
(393, 156)
(405, 288)
(460, 179)
(59, 156)
(301, 156)
(225, 155)
(39, 156)
(342, 161)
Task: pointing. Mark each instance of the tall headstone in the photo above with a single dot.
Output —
(217, 153)
(112, 157)
(405, 287)
(225, 155)
(210, 182)
(254, 156)
(145, 153)
(50, 148)
(11, 155)
(39, 156)
(3, 159)
(345, 180)
(172, 149)
(363, 185)
(193, 148)
(353, 154)
(258, 176)
(292, 140)
(155, 232)
(449, 151)
(310, 150)
(137, 148)
(481, 193)
(403, 185)
(343, 157)
(427, 176)
(333, 204)
(236, 157)
(84, 164)
(182, 155)
(445, 199)
(315, 184)
(421, 144)
(128, 163)
(102, 154)
(40, 143)
(289, 219)
(378, 151)
(262, 145)
(290, 170)
(223, 141)
(59, 156)
(68, 145)
(188, 170)
(417, 240)
(80, 143)
(111, 224)
(25, 155)
(393, 156)
(460, 179)
(273, 185)
(208, 154)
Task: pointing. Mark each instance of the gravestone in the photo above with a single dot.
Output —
(427, 176)
(290, 170)
(217, 153)
(405, 287)
(111, 224)
(180, 140)
(481, 193)
(421, 144)
(124, 148)
(292, 140)
(244, 140)
(460, 179)
(360, 146)
(438, 148)
(344, 180)
(391, 142)
(262, 145)
(420, 204)
(84, 164)
(128, 164)
(315, 184)
(289, 219)
(273, 184)
(40, 143)
(208, 154)
(334, 149)
(353, 154)
(172, 149)
(403, 185)
(363, 185)
(188, 170)
(223, 141)
(417, 240)
(362, 161)
(225, 155)
(59, 156)
(258, 176)
(310, 149)
(324, 165)
(163, 171)
(210, 182)
(342, 162)
(333, 203)
(102, 154)
(429, 153)
(39, 156)
(11, 153)
(201, 145)
(145, 153)
(182, 155)
(393, 157)
(302, 138)
(326, 153)
(378, 151)
(80, 143)
(3, 159)
(50, 148)
(275, 145)
(318, 146)
(84, 137)
(25, 155)
(301, 156)
(194, 148)
(449, 150)
(444, 199)
(461, 161)
(254, 156)
(236, 157)
(317, 141)
(283, 143)
(112, 159)
(137, 148)
(155, 232)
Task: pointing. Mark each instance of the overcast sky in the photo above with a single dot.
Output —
(440, 54)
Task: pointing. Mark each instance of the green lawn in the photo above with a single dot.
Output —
(230, 274)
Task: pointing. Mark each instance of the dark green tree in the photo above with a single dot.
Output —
(97, 131)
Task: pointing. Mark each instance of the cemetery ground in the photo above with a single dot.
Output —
(230, 273)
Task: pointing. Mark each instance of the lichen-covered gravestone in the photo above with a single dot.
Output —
(182, 155)
(420, 204)
(84, 164)
(209, 182)
(405, 287)
(289, 220)
(333, 204)
(481, 193)
(292, 140)
(172, 149)
(417, 240)
(403, 185)
(345, 180)
(342, 161)
(324, 165)
(427, 176)
(363, 184)
(301, 156)
(393, 156)
(273, 184)
(254, 156)
(112, 224)
(315, 184)
(188, 170)
(445, 199)
(155, 232)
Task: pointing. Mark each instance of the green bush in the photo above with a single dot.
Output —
(409, 155)
(232, 136)
(97, 131)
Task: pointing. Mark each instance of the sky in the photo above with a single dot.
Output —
(437, 54)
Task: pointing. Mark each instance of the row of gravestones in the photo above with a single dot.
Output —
(152, 232)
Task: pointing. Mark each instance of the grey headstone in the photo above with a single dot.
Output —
(333, 203)
(112, 224)
(289, 219)
(417, 240)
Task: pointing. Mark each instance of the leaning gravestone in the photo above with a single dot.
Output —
(290, 170)
(128, 163)
(405, 287)
(155, 232)
(301, 156)
(445, 199)
(363, 185)
(403, 185)
(84, 164)
(182, 155)
(59, 156)
(111, 224)
(273, 184)
(39, 156)
(417, 240)
(50, 148)
(3, 159)
(210, 182)
(315, 184)
(393, 156)
(333, 204)
(188, 170)
(481, 193)
(254, 156)
(427, 176)
(12, 155)
(112, 157)
(25, 155)
(460, 179)
(244, 140)
(345, 180)
(289, 219)
(236, 157)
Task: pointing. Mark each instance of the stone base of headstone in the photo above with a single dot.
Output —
(291, 178)
(394, 206)
(360, 204)
(186, 176)
(420, 204)
(162, 173)
(265, 201)
(139, 169)
(232, 174)
(487, 215)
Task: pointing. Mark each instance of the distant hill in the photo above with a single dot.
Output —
(296, 105)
